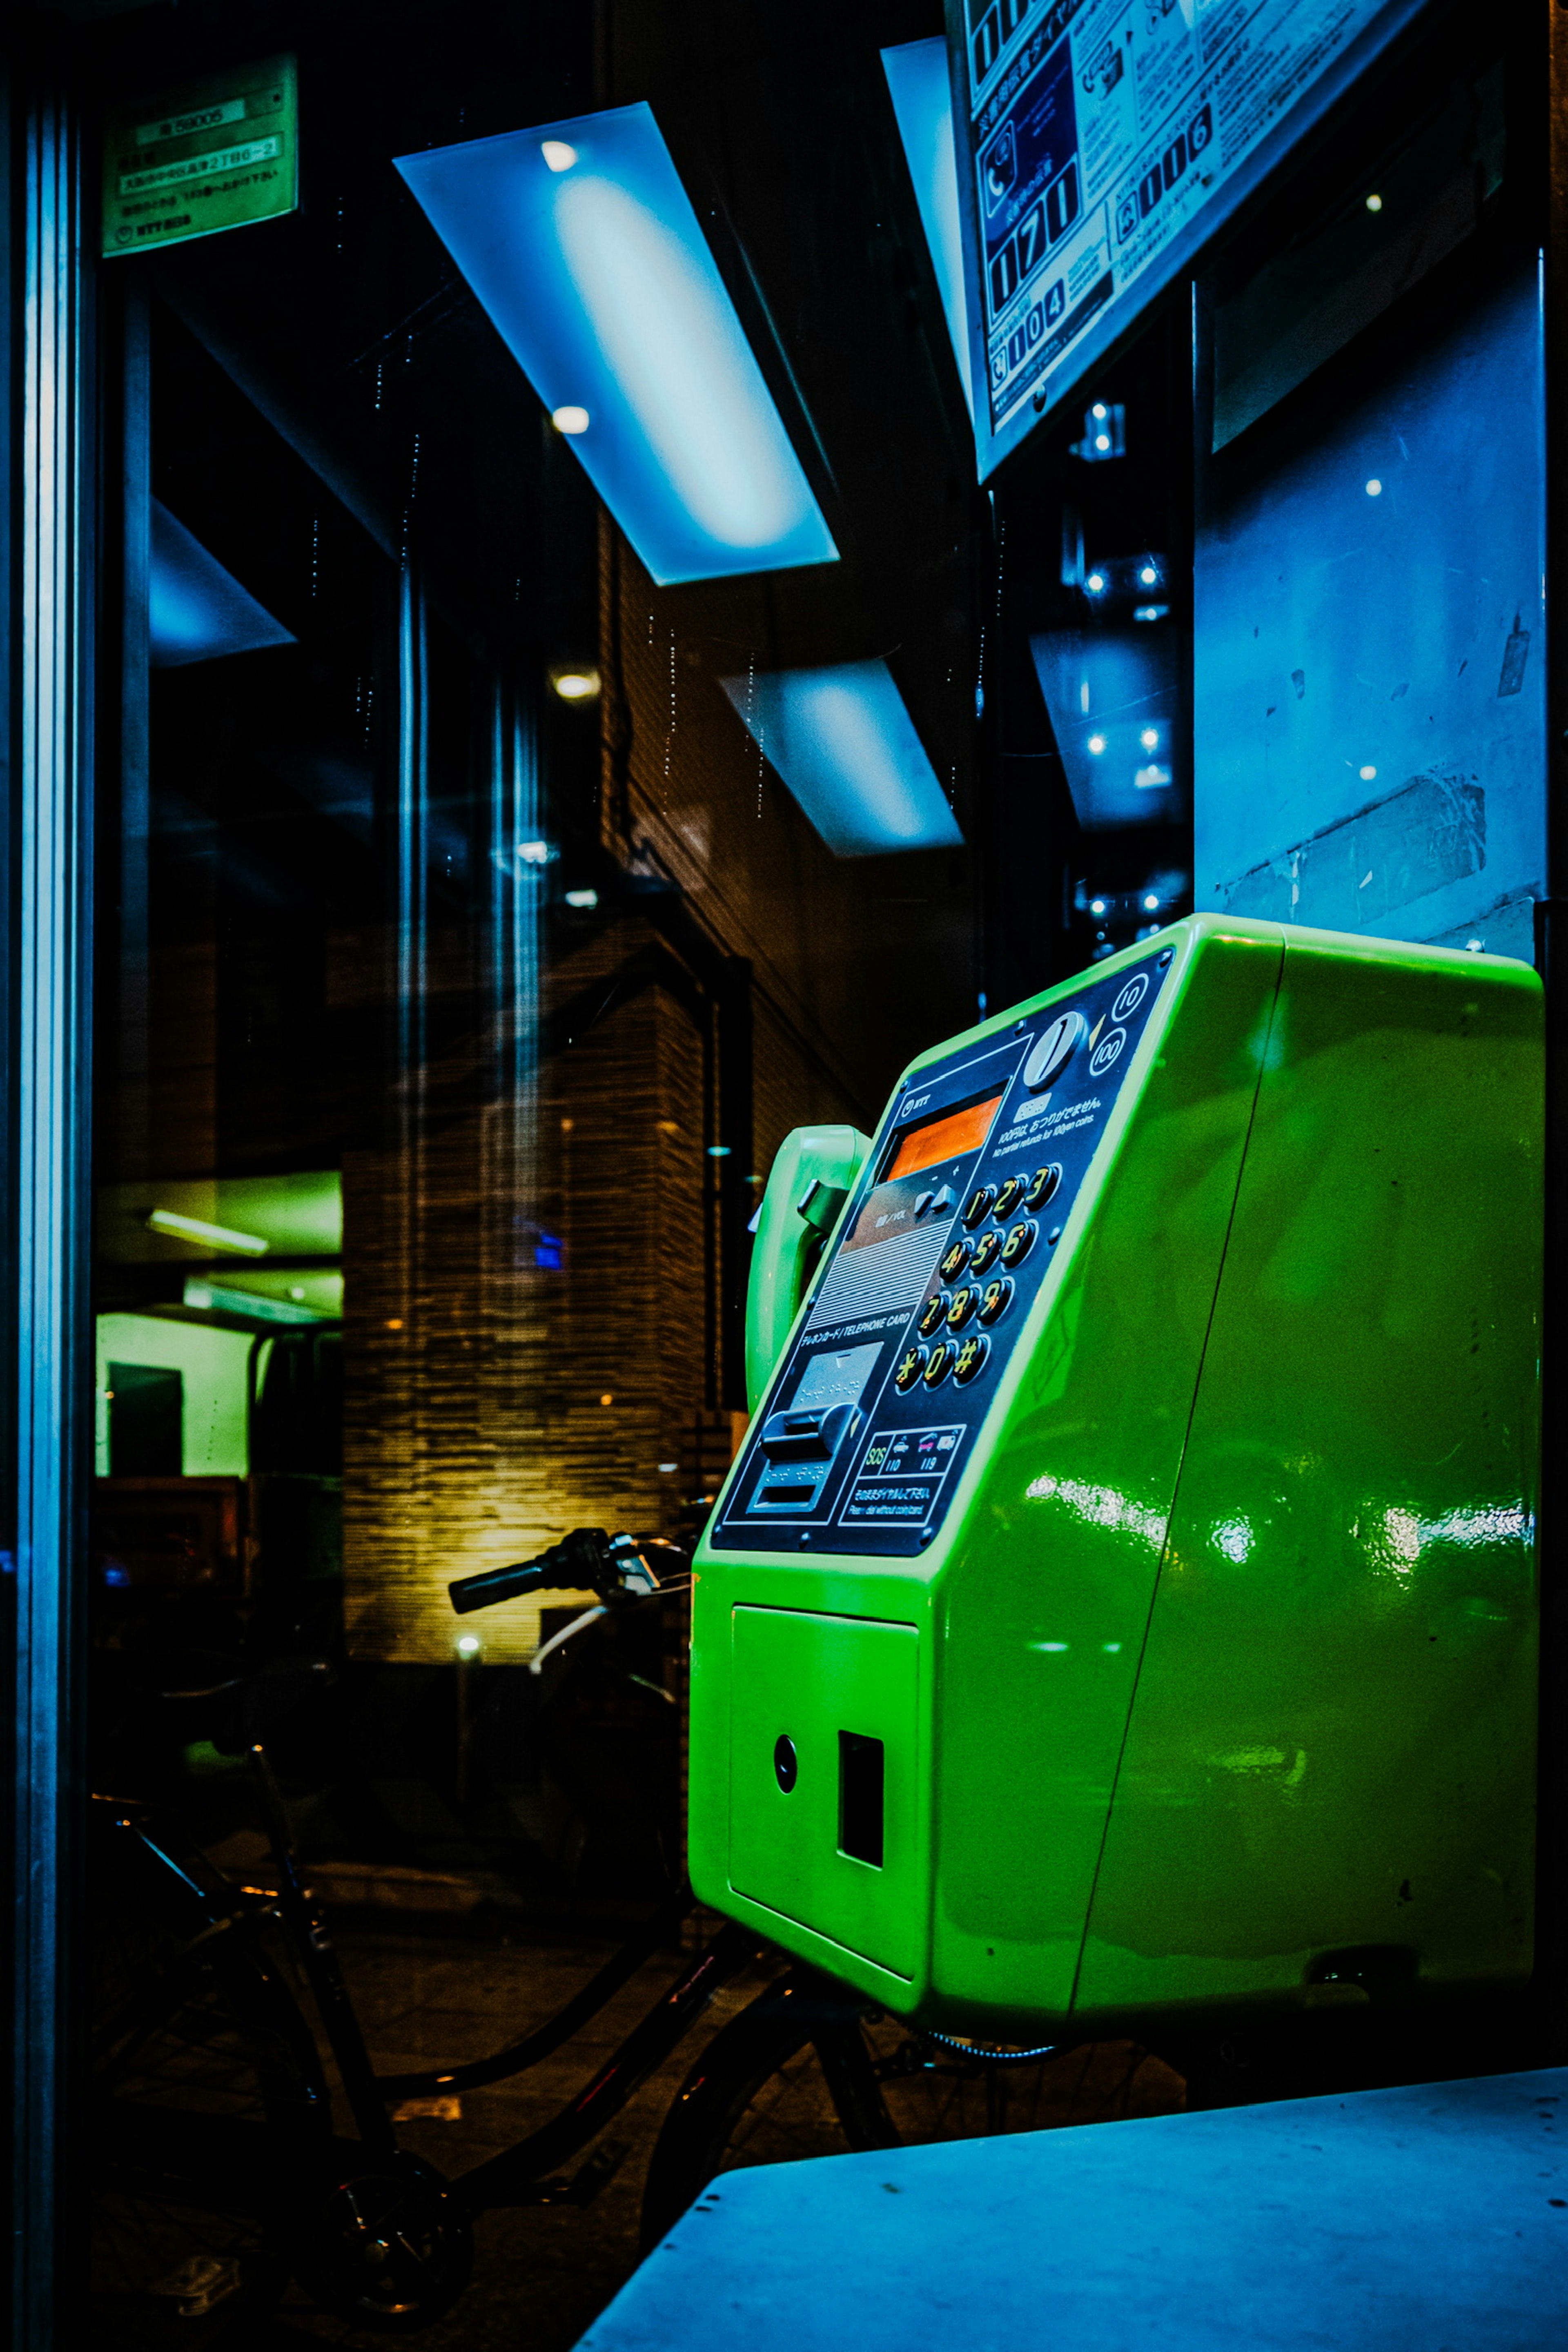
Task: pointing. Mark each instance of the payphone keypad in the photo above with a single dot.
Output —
(937, 1263)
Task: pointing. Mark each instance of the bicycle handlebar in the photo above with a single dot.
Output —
(617, 1568)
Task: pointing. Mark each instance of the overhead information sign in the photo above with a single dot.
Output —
(211, 155)
(1100, 144)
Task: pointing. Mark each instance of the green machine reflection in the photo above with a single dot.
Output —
(1162, 1639)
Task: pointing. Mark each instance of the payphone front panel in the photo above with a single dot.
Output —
(915, 1311)
(1199, 1668)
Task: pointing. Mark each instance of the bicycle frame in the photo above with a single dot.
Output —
(519, 2175)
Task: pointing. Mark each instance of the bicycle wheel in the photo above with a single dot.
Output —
(207, 2100)
(821, 2076)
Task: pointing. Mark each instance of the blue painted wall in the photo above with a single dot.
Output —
(1369, 686)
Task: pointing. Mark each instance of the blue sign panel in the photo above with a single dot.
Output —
(1100, 143)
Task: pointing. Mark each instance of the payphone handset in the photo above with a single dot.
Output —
(813, 1174)
(1125, 1589)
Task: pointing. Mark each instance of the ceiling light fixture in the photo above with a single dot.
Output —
(598, 278)
(847, 747)
(197, 1229)
(195, 610)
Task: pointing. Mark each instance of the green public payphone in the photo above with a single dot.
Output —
(1124, 1599)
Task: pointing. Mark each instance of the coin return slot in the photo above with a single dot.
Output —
(787, 1494)
(860, 1798)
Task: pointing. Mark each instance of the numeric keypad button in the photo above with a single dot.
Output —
(977, 1208)
(985, 1249)
(911, 1364)
(963, 1305)
(1008, 1198)
(939, 1363)
(933, 1314)
(1042, 1184)
(1020, 1241)
(997, 1298)
(955, 1260)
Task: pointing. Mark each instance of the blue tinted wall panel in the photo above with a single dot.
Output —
(1369, 674)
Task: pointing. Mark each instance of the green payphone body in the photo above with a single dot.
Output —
(1124, 1599)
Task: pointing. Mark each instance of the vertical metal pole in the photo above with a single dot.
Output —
(463, 1709)
(412, 799)
(50, 833)
(409, 1086)
(1551, 936)
(736, 1199)
(132, 1139)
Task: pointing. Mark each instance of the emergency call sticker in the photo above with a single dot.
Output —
(901, 1475)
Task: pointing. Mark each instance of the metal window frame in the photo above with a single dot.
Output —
(1552, 959)
(51, 463)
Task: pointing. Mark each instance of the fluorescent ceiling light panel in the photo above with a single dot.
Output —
(226, 1298)
(846, 747)
(597, 277)
(195, 610)
(922, 100)
(197, 1229)
(294, 1216)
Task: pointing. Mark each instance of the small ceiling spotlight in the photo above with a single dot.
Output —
(1097, 744)
(575, 684)
(570, 419)
(467, 1645)
(1104, 432)
(557, 154)
(1096, 583)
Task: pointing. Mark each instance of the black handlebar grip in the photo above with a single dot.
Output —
(471, 1592)
(579, 1562)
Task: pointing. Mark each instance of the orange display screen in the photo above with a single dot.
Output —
(943, 1138)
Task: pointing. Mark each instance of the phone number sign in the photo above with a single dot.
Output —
(1102, 143)
(206, 155)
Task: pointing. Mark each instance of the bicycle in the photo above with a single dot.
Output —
(219, 2173)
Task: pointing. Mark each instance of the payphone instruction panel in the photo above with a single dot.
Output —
(858, 1447)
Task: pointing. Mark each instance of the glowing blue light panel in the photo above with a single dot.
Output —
(196, 609)
(921, 93)
(582, 245)
(1114, 699)
(847, 750)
